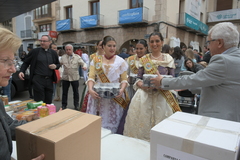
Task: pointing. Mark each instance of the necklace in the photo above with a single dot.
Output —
(108, 58)
(156, 57)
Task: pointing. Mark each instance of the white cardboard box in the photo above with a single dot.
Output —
(105, 132)
(118, 147)
(185, 136)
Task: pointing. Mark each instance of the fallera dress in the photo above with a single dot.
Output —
(148, 108)
(110, 111)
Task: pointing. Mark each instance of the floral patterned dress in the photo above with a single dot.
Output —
(110, 111)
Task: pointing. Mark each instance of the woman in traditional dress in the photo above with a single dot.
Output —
(108, 68)
(133, 63)
(85, 93)
(150, 105)
(100, 50)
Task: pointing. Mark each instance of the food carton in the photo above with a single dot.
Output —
(67, 134)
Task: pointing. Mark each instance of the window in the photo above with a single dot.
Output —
(69, 12)
(43, 11)
(136, 3)
(224, 5)
(45, 27)
(28, 22)
(95, 7)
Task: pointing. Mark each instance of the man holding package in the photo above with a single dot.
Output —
(220, 80)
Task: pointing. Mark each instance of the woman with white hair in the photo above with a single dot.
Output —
(9, 43)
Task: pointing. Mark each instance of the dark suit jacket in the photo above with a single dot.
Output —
(124, 55)
(7, 133)
(31, 60)
(207, 57)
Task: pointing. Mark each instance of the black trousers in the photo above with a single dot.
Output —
(65, 87)
(42, 88)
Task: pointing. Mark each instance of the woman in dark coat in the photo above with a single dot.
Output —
(191, 66)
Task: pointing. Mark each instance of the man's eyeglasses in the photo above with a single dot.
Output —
(8, 63)
(43, 41)
(208, 42)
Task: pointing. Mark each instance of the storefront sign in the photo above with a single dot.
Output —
(53, 34)
(89, 21)
(225, 15)
(195, 24)
(63, 25)
(130, 15)
(193, 8)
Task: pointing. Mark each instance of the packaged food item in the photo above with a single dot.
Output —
(8, 108)
(42, 110)
(28, 115)
(33, 105)
(147, 81)
(107, 90)
(5, 99)
(147, 77)
(20, 106)
(51, 108)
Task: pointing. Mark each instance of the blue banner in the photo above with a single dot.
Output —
(195, 24)
(89, 21)
(130, 15)
(63, 25)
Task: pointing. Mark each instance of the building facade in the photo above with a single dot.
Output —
(222, 11)
(23, 27)
(182, 22)
(30, 26)
(45, 21)
(128, 20)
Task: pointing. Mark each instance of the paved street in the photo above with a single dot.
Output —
(25, 96)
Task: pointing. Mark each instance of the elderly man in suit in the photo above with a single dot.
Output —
(220, 80)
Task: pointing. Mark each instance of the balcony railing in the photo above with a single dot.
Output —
(92, 21)
(28, 34)
(134, 15)
(66, 25)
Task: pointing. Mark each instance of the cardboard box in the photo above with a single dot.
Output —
(194, 137)
(65, 135)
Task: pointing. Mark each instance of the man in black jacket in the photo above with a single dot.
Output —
(123, 53)
(207, 55)
(42, 63)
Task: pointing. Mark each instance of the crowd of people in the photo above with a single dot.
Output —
(139, 105)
